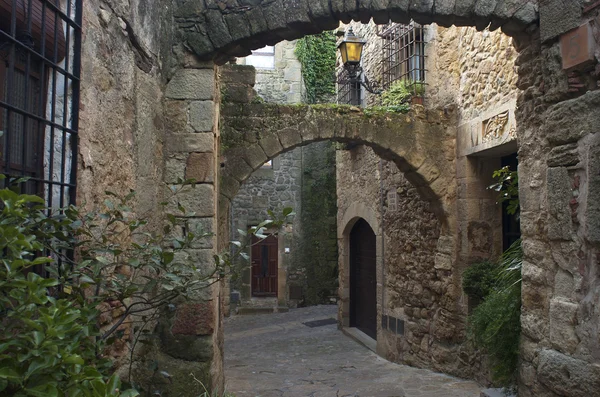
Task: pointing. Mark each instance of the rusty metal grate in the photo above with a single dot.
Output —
(40, 52)
(403, 53)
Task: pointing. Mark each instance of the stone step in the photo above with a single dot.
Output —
(246, 310)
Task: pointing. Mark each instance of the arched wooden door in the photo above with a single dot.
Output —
(363, 279)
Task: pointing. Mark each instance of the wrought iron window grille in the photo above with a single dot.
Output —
(40, 51)
(403, 54)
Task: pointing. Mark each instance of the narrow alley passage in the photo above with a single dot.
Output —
(277, 355)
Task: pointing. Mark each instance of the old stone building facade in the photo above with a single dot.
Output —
(150, 110)
(421, 309)
(305, 271)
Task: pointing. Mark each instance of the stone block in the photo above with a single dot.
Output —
(236, 166)
(559, 195)
(175, 168)
(592, 211)
(464, 11)
(558, 17)
(271, 145)
(568, 376)
(238, 93)
(199, 43)
(194, 84)
(274, 14)
(200, 167)
(297, 16)
(532, 326)
(176, 117)
(238, 74)
(255, 156)
(189, 143)
(257, 21)
(422, 10)
(321, 15)
(289, 138)
(194, 319)
(202, 115)
(563, 156)
(217, 29)
(443, 262)
(398, 10)
(563, 318)
(429, 171)
(179, 370)
(199, 226)
(238, 26)
(198, 201)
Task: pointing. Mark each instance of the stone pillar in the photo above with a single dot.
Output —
(191, 334)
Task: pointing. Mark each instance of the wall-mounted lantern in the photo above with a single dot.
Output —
(351, 49)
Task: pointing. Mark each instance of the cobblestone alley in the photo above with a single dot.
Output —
(276, 355)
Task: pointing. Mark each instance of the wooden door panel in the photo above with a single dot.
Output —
(363, 279)
(264, 266)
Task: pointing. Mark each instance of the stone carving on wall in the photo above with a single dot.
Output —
(492, 130)
(495, 127)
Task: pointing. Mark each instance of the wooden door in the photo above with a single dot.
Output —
(264, 266)
(363, 279)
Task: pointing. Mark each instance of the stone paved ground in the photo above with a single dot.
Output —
(275, 355)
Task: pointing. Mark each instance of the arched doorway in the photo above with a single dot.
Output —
(363, 279)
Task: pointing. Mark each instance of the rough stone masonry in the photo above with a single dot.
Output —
(175, 100)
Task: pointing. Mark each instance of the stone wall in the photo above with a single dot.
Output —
(283, 83)
(559, 171)
(121, 136)
(473, 73)
(557, 131)
(418, 321)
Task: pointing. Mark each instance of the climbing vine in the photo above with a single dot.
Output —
(316, 54)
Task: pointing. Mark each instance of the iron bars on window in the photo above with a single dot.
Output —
(40, 52)
(403, 49)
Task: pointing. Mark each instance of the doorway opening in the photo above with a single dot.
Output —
(363, 279)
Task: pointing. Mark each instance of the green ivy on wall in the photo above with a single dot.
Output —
(317, 55)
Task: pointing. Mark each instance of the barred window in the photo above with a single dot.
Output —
(40, 45)
(403, 53)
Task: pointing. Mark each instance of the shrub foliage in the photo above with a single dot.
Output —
(51, 339)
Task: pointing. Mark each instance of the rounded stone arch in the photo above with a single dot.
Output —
(353, 214)
(418, 143)
(218, 30)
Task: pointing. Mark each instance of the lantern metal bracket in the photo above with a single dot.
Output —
(354, 75)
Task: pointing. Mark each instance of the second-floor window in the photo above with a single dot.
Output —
(263, 58)
(403, 53)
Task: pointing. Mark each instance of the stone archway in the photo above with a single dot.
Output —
(219, 29)
(558, 215)
(420, 143)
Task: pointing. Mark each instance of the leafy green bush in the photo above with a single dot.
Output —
(479, 279)
(401, 92)
(47, 339)
(51, 342)
(495, 324)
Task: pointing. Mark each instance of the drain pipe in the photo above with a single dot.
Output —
(381, 205)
